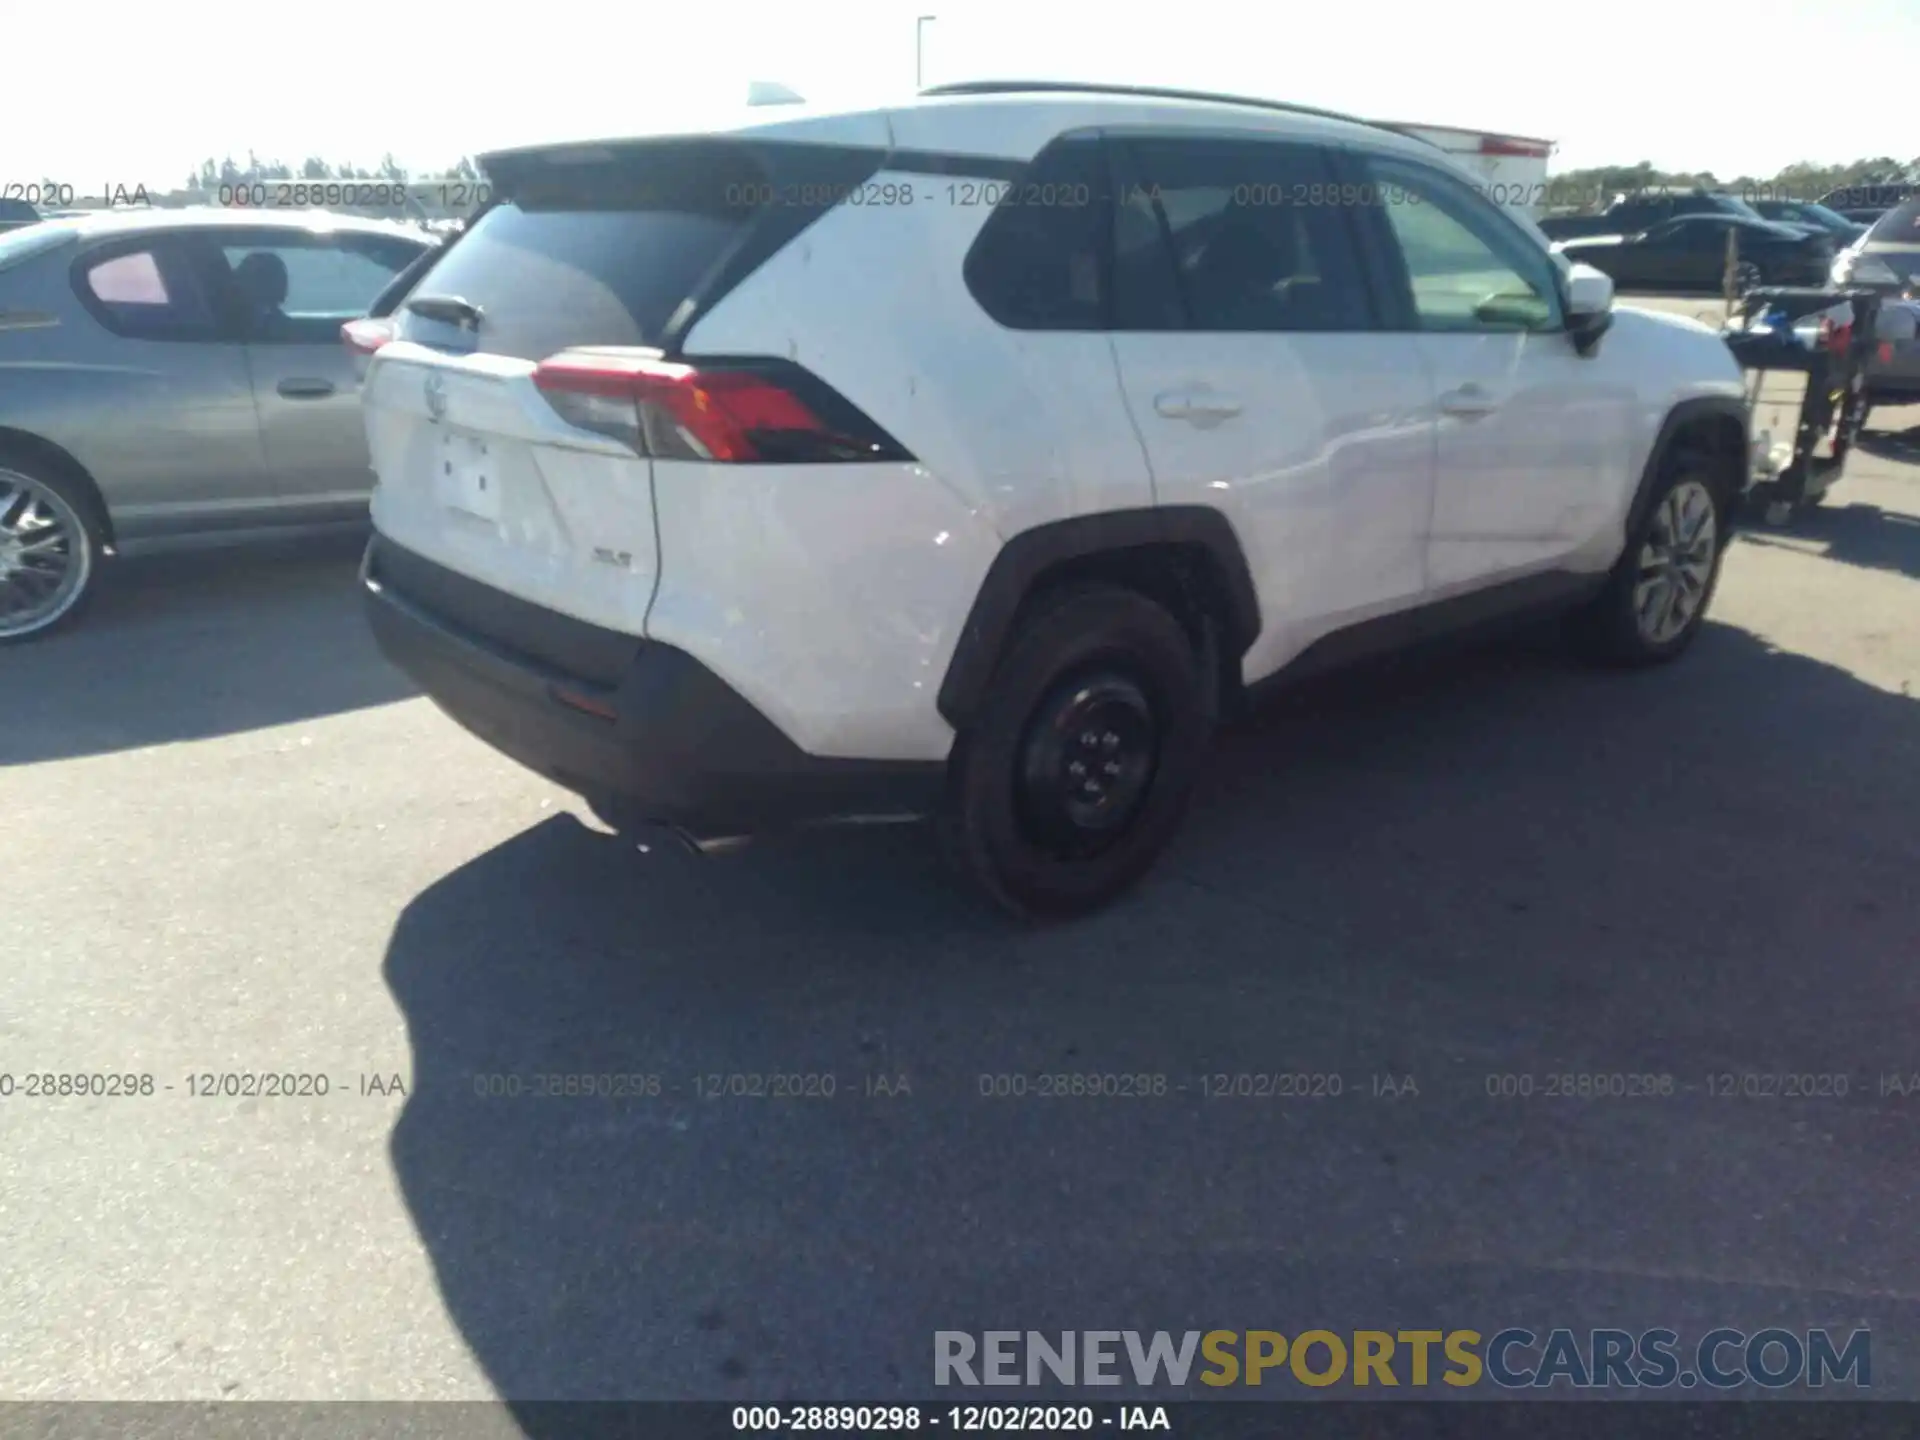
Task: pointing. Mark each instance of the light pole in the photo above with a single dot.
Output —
(919, 37)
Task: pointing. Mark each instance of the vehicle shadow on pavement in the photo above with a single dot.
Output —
(1891, 444)
(1857, 534)
(1443, 872)
(187, 646)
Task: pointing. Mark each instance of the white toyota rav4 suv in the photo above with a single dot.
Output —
(969, 458)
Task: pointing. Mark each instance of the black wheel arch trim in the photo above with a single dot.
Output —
(29, 448)
(1026, 559)
(1679, 418)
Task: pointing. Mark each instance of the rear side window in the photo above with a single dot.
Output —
(1228, 235)
(398, 288)
(1039, 263)
(599, 250)
(295, 288)
(148, 292)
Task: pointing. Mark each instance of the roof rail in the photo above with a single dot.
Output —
(1145, 92)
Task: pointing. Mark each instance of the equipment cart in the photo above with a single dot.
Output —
(1828, 335)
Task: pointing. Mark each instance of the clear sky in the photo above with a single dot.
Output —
(1732, 87)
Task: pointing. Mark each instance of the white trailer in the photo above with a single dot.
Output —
(1512, 169)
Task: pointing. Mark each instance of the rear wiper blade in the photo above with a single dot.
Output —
(450, 308)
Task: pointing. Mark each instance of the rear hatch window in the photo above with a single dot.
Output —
(596, 247)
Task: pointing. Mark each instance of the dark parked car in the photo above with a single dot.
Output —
(14, 214)
(1690, 253)
(1866, 203)
(1631, 214)
(1811, 215)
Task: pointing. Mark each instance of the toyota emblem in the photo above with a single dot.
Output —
(436, 397)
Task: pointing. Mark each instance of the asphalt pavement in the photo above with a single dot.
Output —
(235, 843)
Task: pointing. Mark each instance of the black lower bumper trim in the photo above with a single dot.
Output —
(671, 743)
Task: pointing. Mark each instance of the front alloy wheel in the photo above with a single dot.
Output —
(1676, 564)
(46, 555)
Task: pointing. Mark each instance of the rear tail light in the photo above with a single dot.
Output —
(1509, 145)
(733, 412)
(365, 336)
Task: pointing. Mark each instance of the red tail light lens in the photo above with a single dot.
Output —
(365, 336)
(1509, 145)
(744, 412)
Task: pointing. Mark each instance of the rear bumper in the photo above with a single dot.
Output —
(650, 738)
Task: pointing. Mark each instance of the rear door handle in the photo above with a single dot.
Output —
(1200, 406)
(305, 388)
(1469, 402)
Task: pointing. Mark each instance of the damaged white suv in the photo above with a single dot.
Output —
(969, 458)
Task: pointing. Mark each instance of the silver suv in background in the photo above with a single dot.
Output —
(176, 376)
(1887, 259)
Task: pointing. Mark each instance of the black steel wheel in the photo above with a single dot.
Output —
(1076, 772)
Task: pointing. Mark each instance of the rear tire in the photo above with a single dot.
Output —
(50, 548)
(1657, 594)
(1078, 768)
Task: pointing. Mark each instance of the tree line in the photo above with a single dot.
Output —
(1803, 181)
(212, 173)
(1592, 186)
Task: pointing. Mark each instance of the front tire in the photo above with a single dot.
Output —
(50, 546)
(1078, 769)
(1748, 276)
(1656, 596)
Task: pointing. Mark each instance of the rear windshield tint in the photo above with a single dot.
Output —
(601, 250)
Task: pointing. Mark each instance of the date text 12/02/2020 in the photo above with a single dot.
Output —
(965, 1419)
(196, 1084)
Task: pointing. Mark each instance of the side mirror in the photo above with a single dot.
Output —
(1589, 306)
